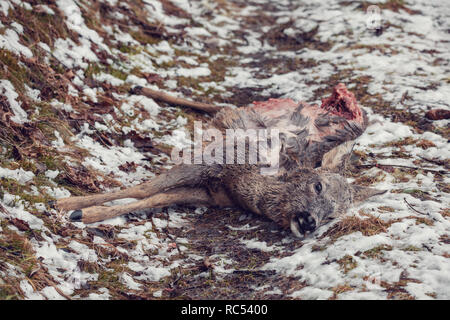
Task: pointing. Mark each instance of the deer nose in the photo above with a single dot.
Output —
(306, 221)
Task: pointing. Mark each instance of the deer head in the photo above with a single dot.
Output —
(315, 197)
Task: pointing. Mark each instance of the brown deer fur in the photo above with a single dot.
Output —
(307, 191)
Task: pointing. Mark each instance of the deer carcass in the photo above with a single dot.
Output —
(306, 191)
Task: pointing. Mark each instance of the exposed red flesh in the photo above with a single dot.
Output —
(275, 107)
(309, 131)
(342, 103)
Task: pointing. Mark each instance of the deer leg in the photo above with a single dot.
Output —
(178, 176)
(180, 196)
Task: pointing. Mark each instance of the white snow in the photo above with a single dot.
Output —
(10, 41)
(410, 56)
(20, 175)
(7, 89)
(260, 245)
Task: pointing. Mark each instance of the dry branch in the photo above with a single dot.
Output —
(162, 96)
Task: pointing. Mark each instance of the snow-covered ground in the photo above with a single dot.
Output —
(395, 246)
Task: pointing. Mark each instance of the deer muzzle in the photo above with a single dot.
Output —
(302, 223)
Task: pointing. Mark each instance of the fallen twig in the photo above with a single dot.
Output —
(162, 96)
(258, 273)
(437, 162)
(2, 209)
(412, 208)
(371, 165)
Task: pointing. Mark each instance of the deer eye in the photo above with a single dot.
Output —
(318, 187)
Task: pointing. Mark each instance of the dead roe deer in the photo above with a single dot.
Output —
(306, 192)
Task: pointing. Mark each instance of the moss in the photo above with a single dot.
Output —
(17, 250)
(411, 248)
(109, 278)
(51, 162)
(188, 82)
(377, 252)
(11, 186)
(15, 188)
(14, 246)
(28, 165)
(13, 70)
(143, 38)
(117, 73)
(130, 50)
(137, 72)
(25, 164)
(347, 263)
(92, 69)
(7, 292)
(167, 64)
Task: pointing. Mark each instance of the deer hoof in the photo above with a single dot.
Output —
(136, 90)
(77, 215)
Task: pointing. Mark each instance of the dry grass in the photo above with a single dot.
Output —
(340, 289)
(347, 263)
(445, 212)
(367, 226)
(377, 252)
(16, 250)
(425, 144)
(34, 151)
(421, 220)
(40, 26)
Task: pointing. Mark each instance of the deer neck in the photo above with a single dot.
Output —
(263, 195)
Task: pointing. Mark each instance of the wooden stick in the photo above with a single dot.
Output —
(412, 208)
(162, 96)
(400, 166)
(180, 196)
(437, 162)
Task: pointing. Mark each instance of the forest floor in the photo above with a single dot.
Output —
(70, 126)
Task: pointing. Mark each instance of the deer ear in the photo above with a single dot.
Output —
(361, 194)
(336, 159)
